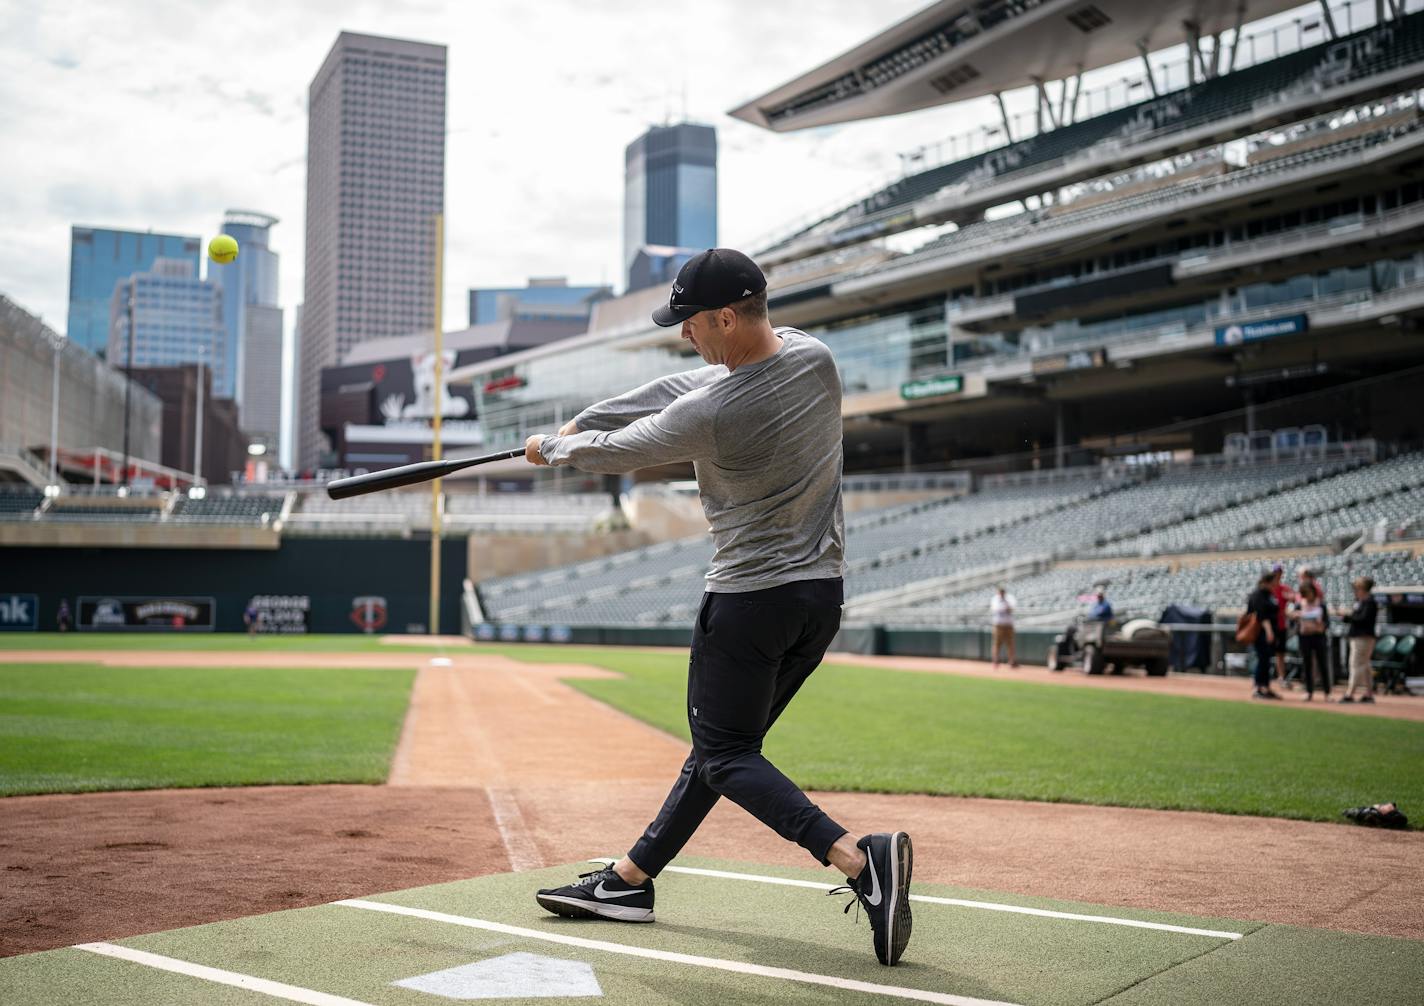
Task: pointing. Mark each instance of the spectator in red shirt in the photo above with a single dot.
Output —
(1284, 595)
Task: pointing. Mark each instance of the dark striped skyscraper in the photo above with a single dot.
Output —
(375, 181)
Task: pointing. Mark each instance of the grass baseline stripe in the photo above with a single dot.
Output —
(277, 990)
(987, 905)
(715, 963)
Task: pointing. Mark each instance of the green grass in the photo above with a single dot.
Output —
(71, 728)
(874, 730)
(207, 641)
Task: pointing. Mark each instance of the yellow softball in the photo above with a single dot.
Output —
(222, 249)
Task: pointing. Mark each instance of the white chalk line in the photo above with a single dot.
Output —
(519, 844)
(671, 957)
(991, 906)
(277, 990)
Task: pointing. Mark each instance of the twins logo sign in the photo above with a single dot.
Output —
(368, 613)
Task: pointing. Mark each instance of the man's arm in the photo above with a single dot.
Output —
(655, 396)
(684, 431)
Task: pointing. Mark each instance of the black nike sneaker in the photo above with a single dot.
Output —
(601, 894)
(883, 890)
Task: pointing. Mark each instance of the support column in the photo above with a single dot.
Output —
(1059, 430)
(1250, 411)
(1236, 36)
(1004, 116)
(1146, 68)
(1329, 20)
(1045, 104)
(912, 445)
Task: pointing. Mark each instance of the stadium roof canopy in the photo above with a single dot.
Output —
(959, 49)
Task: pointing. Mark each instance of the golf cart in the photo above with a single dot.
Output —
(1093, 647)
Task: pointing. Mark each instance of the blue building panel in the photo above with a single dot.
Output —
(99, 258)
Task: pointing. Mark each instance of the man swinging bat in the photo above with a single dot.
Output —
(762, 426)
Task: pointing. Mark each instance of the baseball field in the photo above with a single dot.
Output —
(358, 819)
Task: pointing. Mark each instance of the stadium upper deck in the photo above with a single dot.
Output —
(955, 50)
(1154, 278)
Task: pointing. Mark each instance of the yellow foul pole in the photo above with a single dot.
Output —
(435, 450)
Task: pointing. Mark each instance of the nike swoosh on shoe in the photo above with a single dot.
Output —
(603, 894)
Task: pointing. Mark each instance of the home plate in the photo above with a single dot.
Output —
(513, 976)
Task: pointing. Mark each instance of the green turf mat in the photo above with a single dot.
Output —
(70, 728)
(956, 951)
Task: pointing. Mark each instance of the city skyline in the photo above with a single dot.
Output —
(534, 161)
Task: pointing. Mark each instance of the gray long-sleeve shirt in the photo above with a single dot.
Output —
(765, 441)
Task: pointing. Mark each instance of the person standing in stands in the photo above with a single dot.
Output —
(1284, 596)
(1262, 604)
(1101, 611)
(1362, 641)
(1001, 619)
(1310, 622)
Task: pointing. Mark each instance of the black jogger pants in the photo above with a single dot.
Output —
(751, 652)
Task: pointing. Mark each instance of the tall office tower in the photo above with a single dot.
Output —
(253, 323)
(177, 318)
(669, 191)
(375, 180)
(99, 258)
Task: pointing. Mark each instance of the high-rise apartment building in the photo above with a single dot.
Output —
(375, 181)
(99, 258)
(669, 191)
(252, 322)
(177, 318)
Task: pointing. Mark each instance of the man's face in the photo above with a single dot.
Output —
(707, 336)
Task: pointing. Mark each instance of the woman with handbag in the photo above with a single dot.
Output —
(1259, 629)
(1310, 622)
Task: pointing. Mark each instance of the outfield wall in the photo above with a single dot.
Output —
(315, 584)
(969, 644)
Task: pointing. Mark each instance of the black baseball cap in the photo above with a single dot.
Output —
(709, 280)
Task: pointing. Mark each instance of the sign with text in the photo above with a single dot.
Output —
(280, 614)
(19, 612)
(147, 614)
(932, 387)
(1077, 359)
(1254, 331)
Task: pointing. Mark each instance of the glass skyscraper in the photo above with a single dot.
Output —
(499, 304)
(99, 258)
(669, 191)
(177, 318)
(375, 181)
(252, 323)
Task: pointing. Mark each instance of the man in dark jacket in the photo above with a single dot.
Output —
(1262, 604)
(1362, 641)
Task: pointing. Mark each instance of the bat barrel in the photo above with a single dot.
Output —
(408, 475)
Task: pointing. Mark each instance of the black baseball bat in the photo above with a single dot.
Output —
(409, 475)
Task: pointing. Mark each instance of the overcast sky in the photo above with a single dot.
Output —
(162, 114)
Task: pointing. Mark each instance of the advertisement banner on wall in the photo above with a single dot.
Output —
(147, 614)
(19, 612)
(280, 614)
(1254, 331)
